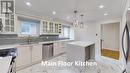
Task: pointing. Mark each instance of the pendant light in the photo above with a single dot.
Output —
(75, 22)
(81, 23)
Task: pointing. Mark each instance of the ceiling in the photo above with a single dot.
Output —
(65, 8)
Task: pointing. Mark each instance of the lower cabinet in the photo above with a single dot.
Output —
(36, 53)
(24, 56)
(59, 47)
(28, 54)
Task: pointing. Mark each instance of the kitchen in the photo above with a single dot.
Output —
(91, 31)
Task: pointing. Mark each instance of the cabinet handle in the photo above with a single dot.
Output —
(127, 52)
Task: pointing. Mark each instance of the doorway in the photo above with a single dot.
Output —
(110, 40)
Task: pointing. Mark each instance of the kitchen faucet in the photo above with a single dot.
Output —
(29, 39)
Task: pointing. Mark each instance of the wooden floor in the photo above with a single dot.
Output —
(129, 58)
(110, 53)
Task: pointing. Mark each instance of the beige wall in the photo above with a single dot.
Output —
(110, 36)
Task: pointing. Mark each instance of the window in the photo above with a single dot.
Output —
(65, 33)
(29, 28)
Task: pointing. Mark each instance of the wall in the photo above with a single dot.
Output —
(88, 33)
(110, 36)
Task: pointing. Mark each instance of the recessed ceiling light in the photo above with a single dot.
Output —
(101, 6)
(68, 17)
(28, 3)
(105, 14)
(54, 12)
(129, 8)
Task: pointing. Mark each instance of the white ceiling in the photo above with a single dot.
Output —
(65, 8)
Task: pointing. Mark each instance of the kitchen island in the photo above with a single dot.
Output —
(80, 51)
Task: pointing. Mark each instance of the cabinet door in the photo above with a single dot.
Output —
(9, 26)
(56, 28)
(36, 53)
(45, 26)
(58, 48)
(55, 48)
(24, 56)
(62, 46)
(51, 27)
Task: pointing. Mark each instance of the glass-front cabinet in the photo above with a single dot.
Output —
(45, 27)
(51, 28)
(57, 28)
(8, 24)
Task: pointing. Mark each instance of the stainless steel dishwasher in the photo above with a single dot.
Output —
(47, 51)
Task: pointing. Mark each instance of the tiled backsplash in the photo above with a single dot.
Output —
(8, 35)
(14, 39)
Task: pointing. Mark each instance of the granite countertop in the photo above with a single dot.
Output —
(33, 43)
(5, 64)
(54, 41)
(81, 43)
(8, 46)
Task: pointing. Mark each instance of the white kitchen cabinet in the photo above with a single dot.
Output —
(58, 48)
(44, 27)
(8, 24)
(36, 53)
(57, 28)
(24, 56)
(55, 48)
(28, 54)
(49, 27)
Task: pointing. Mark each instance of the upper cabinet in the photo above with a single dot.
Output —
(58, 28)
(51, 28)
(7, 17)
(8, 24)
(45, 27)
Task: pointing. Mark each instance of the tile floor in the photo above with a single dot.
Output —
(100, 68)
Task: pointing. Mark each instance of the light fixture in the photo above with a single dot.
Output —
(54, 12)
(76, 21)
(101, 6)
(81, 22)
(105, 14)
(129, 8)
(28, 3)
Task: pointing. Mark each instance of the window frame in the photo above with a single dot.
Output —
(37, 26)
(62, 35)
